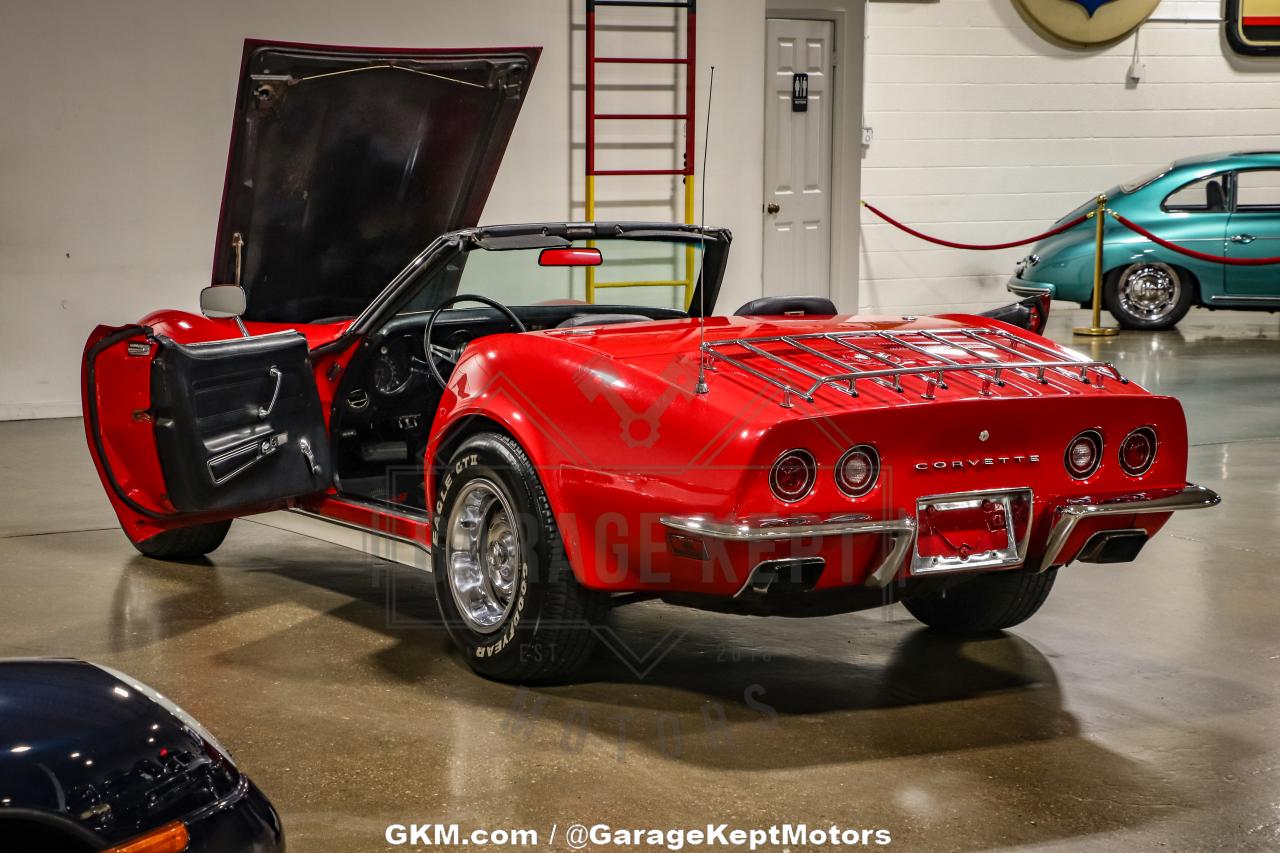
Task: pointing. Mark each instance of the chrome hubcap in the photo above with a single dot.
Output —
(482, 555)
(1149, 291)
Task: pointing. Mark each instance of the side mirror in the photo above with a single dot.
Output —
(223, 300)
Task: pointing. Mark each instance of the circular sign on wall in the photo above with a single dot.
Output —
(1088, 21)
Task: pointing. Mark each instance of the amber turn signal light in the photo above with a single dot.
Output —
(687, 546)
(170, 838)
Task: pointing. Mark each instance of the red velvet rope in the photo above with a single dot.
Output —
(1192, 253)
(977, 247)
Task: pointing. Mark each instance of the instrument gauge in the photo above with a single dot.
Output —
(390, 370)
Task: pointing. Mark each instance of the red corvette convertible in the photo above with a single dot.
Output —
(559, 457)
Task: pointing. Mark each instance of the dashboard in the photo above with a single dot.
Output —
(388, 380)
(393, 377)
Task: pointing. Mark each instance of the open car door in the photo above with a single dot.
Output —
(184, 434)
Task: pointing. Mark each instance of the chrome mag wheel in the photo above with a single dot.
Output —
(482, 555)
(1149, 291)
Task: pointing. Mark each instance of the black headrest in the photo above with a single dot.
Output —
(601, 320)
(1215, 198)
(776, 306)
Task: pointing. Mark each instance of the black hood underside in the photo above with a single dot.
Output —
(346, 162)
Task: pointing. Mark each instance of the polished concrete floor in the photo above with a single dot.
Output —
(1140, 710)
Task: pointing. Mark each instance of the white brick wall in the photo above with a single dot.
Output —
(986, 132)
(112, 156)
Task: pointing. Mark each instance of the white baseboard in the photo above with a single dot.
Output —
(40, 409)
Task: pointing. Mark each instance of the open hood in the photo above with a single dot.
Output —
(346, 162)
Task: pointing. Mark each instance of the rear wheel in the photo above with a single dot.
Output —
(987, 603)
(503, 583)
(185, 543)
(1148, 295)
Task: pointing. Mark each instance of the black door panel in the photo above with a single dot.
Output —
(238, 423)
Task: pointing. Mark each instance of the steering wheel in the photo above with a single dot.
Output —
(452, 355)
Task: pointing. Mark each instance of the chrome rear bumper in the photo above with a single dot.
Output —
(902, 531)
(1191, 497)
(778, 529)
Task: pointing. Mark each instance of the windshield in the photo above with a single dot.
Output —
(640, 273)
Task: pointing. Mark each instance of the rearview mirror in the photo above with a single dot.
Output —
(584, 257)
(223, 300)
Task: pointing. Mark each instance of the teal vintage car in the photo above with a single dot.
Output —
(1222, 205)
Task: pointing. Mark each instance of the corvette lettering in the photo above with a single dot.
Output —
(984, 462)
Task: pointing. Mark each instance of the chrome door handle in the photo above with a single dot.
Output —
(263, 412)
(773, 208)
(1243, 238)
(244, 457)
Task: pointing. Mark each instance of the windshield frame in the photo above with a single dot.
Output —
(406, 285)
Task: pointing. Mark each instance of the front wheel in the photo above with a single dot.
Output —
(990, 602)
(184, 543)
(1148, 295)
(503, 583)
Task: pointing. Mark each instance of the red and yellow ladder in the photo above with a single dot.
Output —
(687, 282)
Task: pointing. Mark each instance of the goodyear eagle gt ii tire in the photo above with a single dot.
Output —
(184, 543)
(990, 602)
(503, 583)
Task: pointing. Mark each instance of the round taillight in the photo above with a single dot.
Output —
(793, 475)
(1084, 454)
(858, 470)
(1138, 451)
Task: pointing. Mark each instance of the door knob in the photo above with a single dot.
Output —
(772, 207)
(1243, 238)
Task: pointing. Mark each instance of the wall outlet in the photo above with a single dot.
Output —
(867, 135)
(1137, 71)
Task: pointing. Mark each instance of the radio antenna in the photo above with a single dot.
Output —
(701, 387)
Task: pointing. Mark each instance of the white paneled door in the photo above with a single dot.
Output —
(797, 153)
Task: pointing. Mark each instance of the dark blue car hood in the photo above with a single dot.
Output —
(100, 753)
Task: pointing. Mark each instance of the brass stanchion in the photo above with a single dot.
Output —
(1097, 330)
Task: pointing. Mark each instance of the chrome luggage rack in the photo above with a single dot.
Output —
(935, 353)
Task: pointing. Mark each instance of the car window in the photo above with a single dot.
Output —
(1258, 191)
(1205, 195)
